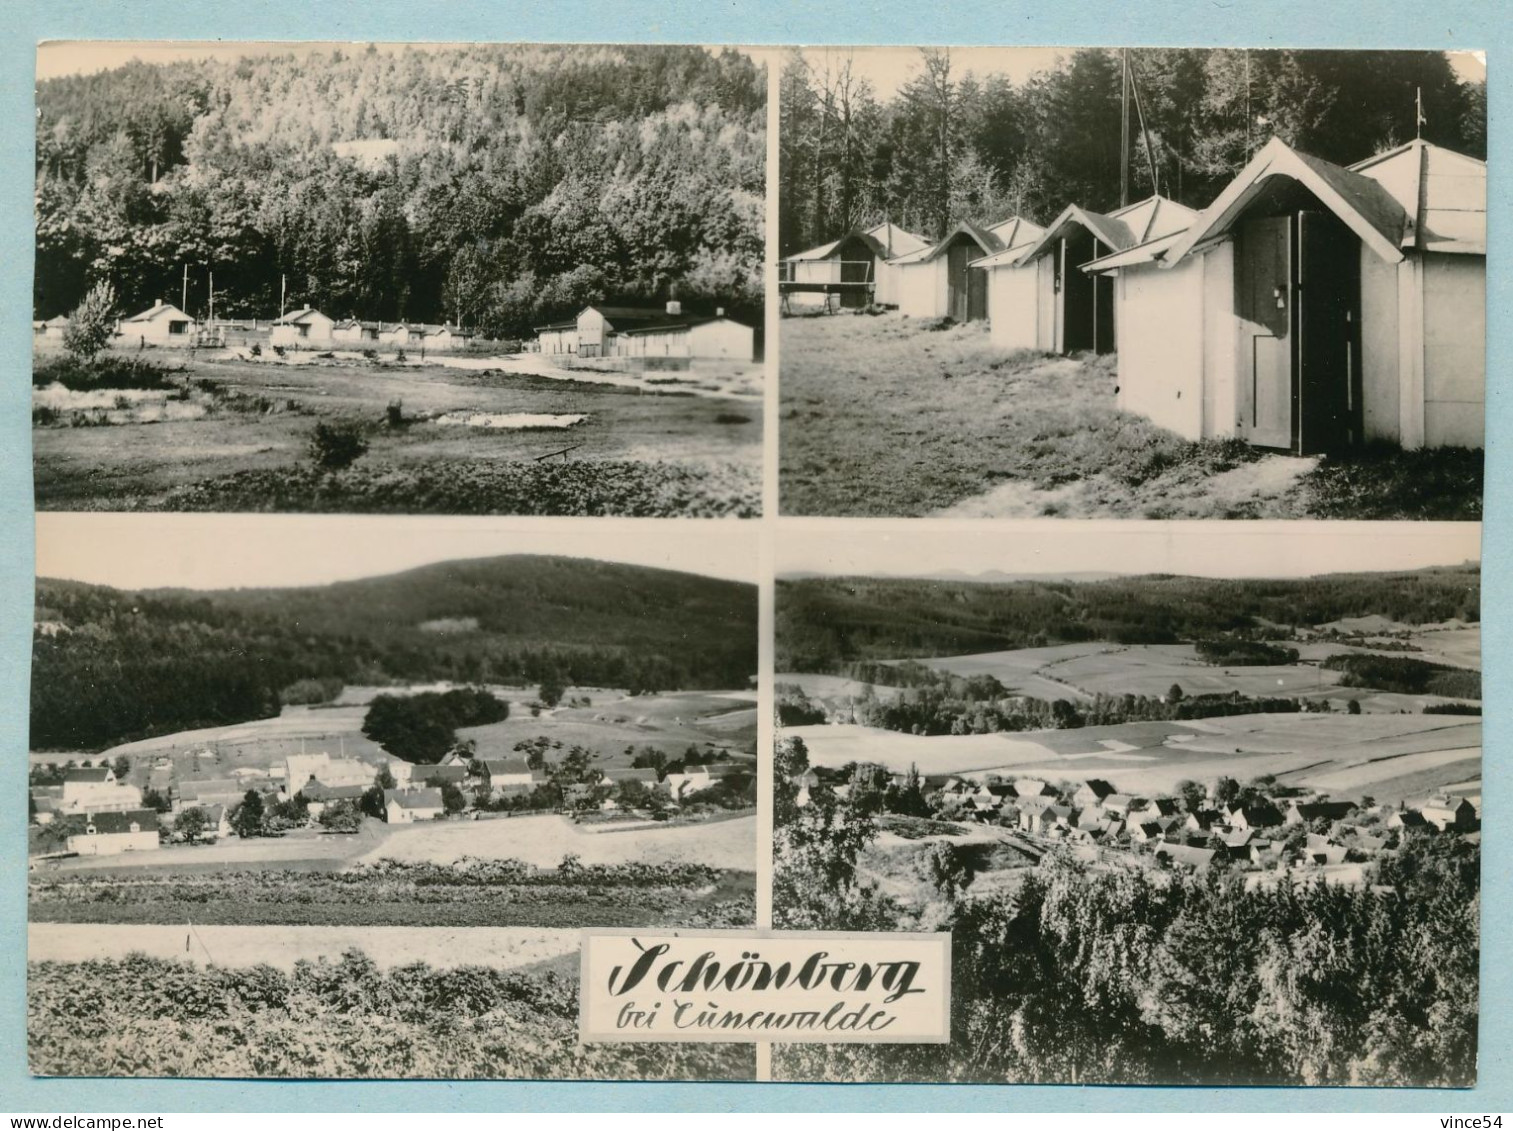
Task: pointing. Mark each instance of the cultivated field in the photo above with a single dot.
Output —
(1387, 756)
(697, 438)
(503, 948)
(544, 840)
(891, 416)
(670, 722)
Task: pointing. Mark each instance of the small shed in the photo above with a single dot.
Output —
(843, 270)
(162, 325)
(353, 332)
(405, 806)
(1312, 308)
(649, 333)
(939, 281)
(1046, 302)
(305, 327)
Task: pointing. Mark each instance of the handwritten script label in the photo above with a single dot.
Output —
(775, 986)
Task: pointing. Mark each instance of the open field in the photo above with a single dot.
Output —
(670, 722)
(545, 840)
(501, 947)
(883, 415)
(301, 849)
(1387, 756)
(247, 423)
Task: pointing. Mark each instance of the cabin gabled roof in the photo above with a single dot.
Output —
(895, 241)
(1018, 236)
(1360, 202)
(985, 240)
(159, 310)
(826, 250)
(1443, 192)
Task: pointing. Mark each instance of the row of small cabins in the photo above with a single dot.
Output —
(164, 324)
(1309, 307)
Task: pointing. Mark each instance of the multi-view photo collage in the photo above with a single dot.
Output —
(489, 492)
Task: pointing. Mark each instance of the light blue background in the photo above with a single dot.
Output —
(1316, 23)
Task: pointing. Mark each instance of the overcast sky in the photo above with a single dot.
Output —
(1204, 549)
(233, 551)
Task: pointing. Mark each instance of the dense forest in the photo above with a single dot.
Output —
(109, 666)
(1081, 975)
(492, 185)
(952, 145)
(825, 624)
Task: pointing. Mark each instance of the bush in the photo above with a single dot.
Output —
(106, 372)
(394, 414)
(334, 447)
(92, 323)
(256, 350)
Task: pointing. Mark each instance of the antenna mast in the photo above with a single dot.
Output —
(1124, 92)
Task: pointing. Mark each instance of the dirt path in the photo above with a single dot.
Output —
(501, 947)
(1263, 489)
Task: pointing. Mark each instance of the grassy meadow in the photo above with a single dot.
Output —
(890, 416)
(226, 431)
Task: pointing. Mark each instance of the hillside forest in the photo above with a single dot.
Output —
(110, 666)
(952, 145)
(496, 186)
(827, 625)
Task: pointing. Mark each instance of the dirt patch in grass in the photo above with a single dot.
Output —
(888, 416)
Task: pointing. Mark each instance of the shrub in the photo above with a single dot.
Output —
(395, 414)
(336, 446)
(256, 350)
(92, 322)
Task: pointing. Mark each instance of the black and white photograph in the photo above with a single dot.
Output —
(399, 278)
(1135, 283)
(334, 797)
(1196, 807)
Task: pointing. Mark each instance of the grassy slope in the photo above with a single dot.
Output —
(882, 416)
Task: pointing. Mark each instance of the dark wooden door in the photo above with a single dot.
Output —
(977, 293)
(956, 281)
(1265, 269)
(1328, 318)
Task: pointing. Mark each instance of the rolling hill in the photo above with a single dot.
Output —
(110, 666)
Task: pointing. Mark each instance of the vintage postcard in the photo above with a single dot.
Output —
(390, 278)
(457, 735)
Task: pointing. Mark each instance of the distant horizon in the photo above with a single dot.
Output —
(1052, 548)
(212, 552)
(1089, 577)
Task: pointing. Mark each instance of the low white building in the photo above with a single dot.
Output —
(329, 771)
(108, 834)
(161, 325)
(305, 327)
(406, 806)
(96, 788)
(648, 333)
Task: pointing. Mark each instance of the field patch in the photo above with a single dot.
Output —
(544, 841)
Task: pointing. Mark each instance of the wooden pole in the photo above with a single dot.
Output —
(1123, 127)
(184, 291)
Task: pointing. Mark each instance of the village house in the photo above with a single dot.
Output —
(1306, 812)
(96, 788)
(1092, 793)
(1262, 815)
(695, 778)
(1041, 297)
(1312, 307)
(506, 773)
(319, 796)
(648, 333)
(300, 768)
(197, 793)
(161, 325)
(306, 327)
(1189, 856)
(406, 806)
(621, 774)
(108, 834)
(1447, 813)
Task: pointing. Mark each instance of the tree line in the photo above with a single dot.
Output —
(110, 666)
(826, 624)
(497, 186)
(952, 145)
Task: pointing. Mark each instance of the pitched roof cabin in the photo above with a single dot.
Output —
(161, 324)
(1314, 308)
(1039, 297)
